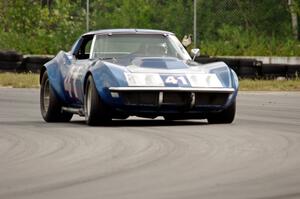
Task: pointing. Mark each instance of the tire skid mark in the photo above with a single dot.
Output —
(256, 157)
(118, 159)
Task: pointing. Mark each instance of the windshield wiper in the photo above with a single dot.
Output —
(105, 58)
(108, 58)
(192, 63)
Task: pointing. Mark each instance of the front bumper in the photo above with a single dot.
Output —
(182, 89)
(170, 99)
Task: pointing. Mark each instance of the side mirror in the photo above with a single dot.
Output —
(195, 52)
(70, 56)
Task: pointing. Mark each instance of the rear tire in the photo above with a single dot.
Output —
(96, 113)
(224, 117)
(50, 104)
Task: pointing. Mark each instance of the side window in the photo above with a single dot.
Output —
(83, 51)
(88, 47)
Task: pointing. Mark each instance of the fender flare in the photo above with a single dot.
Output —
(55, 78)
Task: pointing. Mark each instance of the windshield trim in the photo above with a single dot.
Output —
(92, 47)
(172, 39)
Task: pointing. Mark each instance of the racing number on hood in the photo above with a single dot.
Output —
(175, 80)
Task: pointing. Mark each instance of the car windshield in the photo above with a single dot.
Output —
(138, 45)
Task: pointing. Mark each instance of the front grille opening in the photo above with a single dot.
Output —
(145, 98)
(176, 98)
(173, 98)
(215, 99)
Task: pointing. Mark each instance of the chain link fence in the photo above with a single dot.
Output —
(270, 25)
(271, 17)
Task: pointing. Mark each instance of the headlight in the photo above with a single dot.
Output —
(204, 80)
(143, 79)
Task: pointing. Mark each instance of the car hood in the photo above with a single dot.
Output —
(159, 63)
(171, 65)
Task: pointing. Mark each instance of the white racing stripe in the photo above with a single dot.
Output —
(153, 79)
(204, 80)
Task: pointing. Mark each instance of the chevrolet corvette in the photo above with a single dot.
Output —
(119, 73)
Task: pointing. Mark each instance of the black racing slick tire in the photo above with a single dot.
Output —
(50, 104)
(224, 117)
(96, 113)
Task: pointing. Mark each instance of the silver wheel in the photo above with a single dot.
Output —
(46, 96)
(88, 100)
(50, 104)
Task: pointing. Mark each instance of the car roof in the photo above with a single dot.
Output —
(127, 31)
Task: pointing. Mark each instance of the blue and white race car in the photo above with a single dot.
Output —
(119, 73)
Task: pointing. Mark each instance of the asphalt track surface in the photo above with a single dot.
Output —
(258, 156)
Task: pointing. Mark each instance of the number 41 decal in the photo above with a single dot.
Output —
(176, 80)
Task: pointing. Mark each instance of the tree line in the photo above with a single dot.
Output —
(228, 27)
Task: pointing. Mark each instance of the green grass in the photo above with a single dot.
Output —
(19, 80)
(270, 85)
(31, 80)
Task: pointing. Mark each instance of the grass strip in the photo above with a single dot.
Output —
(270, 85)
(19, 80)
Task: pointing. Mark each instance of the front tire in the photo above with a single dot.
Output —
(50, 104)
(224, 117)
(96, 113)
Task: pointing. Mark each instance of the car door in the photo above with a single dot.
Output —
(76, 68)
